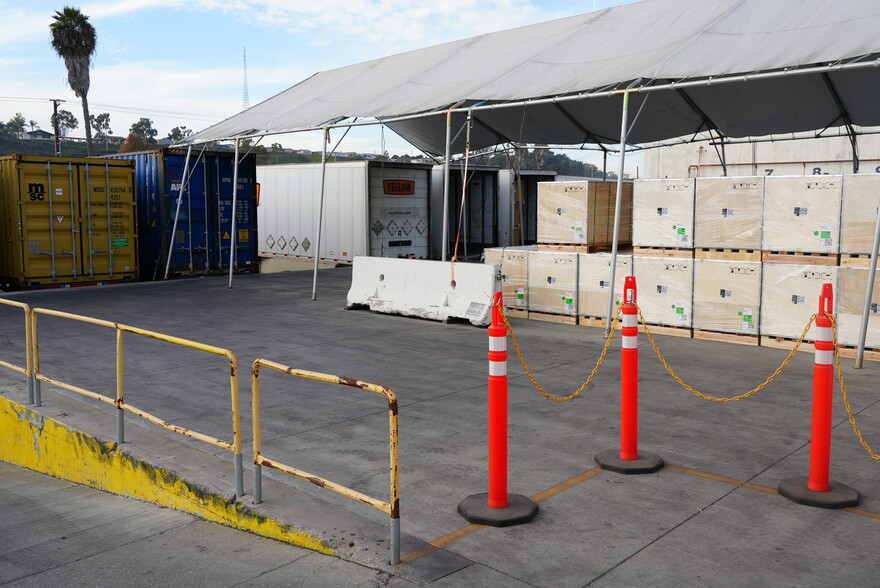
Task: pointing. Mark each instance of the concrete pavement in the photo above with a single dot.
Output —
(711, 517)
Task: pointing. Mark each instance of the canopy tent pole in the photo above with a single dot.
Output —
(177, 212)
(866, 312)
(446, 185)
(623, 133)
(232, 239)
(320, 212)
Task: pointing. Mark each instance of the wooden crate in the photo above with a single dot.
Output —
(553, 283)
(668, 252)
(800, 258)
(663, 213)
(727, 213)
(852, 285)
(594, 279)
(802, 214)
(582, 212)
(861, 198)
(514, 262)
(855, 260)
(790, 296)
(665, 290)
(727, 296)
(728, 254)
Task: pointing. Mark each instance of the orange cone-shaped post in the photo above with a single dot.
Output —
(498, 508)
(628, 460)
(817, 489)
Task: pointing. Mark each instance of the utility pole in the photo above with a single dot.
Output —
(245, 101)
(55, 102)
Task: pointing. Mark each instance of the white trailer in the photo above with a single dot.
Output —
(375, 208)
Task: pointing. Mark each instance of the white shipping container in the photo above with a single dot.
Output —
(370, 208)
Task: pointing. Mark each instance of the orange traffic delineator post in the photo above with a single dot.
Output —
(628, 460)
(817, 489)
(497, 508)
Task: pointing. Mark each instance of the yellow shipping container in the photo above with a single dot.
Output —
(66, 221)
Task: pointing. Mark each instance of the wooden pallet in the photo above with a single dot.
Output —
(593, 321)
(728, 254)
(516, 312)
(669, 252)
(582, 247)
(800, 258)
(564, 319)
(667, 330)
(845, 350)
(855, 260)
(739, 338)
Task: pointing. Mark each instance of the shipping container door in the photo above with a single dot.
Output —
(245, 212)
(108, 238)
(398, 211)
(189, 243)
(474, 224)
(47, 217)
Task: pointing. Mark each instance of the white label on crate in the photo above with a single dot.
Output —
(661, 289)
(825, 236)
(603, 283)
(505, 278)
(561, 212)
(748, 319)
(568, 302)
(551, 280)
(680, 315)
(726, 293)
(727, 212)
(662, 211)
(578, 229)
(875, 308)
(800, 211)
(520, 297)
(681, 235)
(795, 299)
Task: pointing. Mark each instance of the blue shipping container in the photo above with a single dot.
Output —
(202, 236)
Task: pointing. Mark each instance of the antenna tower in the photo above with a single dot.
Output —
(245, 103)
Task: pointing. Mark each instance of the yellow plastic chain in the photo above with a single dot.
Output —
(534, 380)
(841, 380)
(733, 398)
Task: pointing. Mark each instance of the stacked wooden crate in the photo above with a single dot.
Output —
(514, 264)
(553, 286)
(861, 199)
(594, 285)
(579, 215)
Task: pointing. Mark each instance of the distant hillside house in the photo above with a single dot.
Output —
(38, 135)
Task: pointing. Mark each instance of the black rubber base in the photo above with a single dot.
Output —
(520, 510)
(647, 463)
(839, 496)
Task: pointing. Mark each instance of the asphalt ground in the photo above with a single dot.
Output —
(712, 516)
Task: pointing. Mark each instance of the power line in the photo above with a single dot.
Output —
(126, 109)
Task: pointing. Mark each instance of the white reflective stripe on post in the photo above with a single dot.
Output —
(630, 320)
(630, 341)
(497, 368)
(497, 344)
(824, 357)
(823, 334)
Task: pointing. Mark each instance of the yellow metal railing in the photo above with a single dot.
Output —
(392, 507)
(119, 400)
(28, 369)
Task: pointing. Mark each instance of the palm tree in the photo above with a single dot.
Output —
(74, 40)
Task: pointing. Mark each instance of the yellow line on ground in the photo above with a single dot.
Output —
(864, 513)
(451, 538)
(563, 486)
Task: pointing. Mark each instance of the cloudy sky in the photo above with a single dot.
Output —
(180, 62)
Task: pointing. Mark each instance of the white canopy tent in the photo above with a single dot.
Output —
(735, 67)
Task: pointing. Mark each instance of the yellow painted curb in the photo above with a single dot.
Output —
(31, 440)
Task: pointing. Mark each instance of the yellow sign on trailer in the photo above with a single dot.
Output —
(66, 221)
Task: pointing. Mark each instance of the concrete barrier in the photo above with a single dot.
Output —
(436, 290)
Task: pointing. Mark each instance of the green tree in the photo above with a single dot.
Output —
(74, 40)
(16, 125)
(276, 148)
(179, 134)
(34, 125)
(66, 122)
(144, 129)
(101, 125)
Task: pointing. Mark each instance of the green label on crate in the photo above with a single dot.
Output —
(120, 242)
(679, 310)
(747, 318)
(681, 230)
(826, 235)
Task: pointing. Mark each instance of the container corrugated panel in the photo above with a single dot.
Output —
(199, 239)
(727, 296)
(66, 221)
